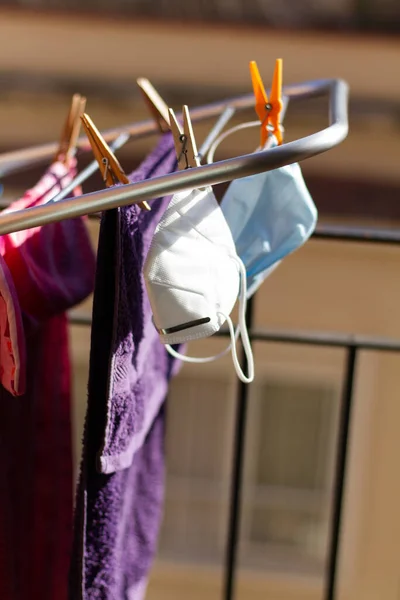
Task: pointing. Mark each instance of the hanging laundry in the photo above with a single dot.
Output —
(194, 276)
(52, 269)
(120, 493)
(12, 339)
(270, 216)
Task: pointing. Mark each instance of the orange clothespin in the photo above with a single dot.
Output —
(155, 103)
(111, 170)
(70, 132)
(268, 111)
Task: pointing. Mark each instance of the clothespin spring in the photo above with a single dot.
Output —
(265, 122)
(183, 139)
(108, 170)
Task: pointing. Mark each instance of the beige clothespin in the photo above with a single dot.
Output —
(185, 143)
(70, 132)
(155, 103)
(111, 170)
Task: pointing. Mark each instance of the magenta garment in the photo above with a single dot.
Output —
(12, 338)
(52, 269)
(120, 495)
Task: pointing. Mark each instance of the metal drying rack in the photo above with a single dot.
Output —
(218, 172)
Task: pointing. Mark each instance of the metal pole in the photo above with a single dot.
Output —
(283, 336)
(189, 179)
(237, 476)
(340, 473)
(17, 160)
(344, 233)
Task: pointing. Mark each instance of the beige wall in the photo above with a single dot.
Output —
(211, 58)
(86, 47)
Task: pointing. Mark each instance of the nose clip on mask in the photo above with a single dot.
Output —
(194, 277)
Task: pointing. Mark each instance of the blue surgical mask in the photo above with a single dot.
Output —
(270, 215)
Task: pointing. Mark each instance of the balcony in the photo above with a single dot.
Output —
(325, 325)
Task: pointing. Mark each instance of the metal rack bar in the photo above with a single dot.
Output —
(218, 172)
(330, 339)
(344, 233)
(18, 160)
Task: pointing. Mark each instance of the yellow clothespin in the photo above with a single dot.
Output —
(185, 143)
(155, 103)
(70, 132)
(268, 111)
(111, 170)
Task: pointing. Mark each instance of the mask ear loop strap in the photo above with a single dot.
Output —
(205, 359)
(241, 329)
(210, 154)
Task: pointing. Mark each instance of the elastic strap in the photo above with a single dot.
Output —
(204, 359)
(241, 329)
(210, 155)
(244, 334)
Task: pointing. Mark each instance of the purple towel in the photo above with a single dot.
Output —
(120, 493)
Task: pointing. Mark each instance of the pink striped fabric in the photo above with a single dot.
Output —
(52, 269)
(12, 341)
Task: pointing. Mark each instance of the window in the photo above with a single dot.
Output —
(288, 470)
(199, 431)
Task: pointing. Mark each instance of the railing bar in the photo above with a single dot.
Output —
(330, 339)
(330, 233)
(78, 319)
(335, 340)
(340, 474)
(237, 477)
(365, 235)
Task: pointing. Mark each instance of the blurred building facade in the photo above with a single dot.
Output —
(195, 53)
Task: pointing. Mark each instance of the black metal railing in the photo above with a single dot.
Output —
(353, 344)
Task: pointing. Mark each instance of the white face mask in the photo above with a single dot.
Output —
(193, 276)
